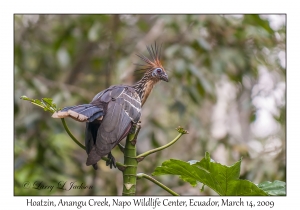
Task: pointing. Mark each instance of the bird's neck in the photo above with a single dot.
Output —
(144, 87)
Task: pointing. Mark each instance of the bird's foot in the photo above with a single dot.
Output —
(112, 161)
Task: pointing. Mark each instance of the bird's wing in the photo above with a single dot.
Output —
(123, 108)
(81, 113)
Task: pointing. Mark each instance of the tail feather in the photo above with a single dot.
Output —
(82, 113)
(90, 137)
(95, 166)
(93, 157)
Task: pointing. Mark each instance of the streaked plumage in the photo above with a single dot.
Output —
(112, 112)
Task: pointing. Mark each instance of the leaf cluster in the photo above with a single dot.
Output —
(221, 178)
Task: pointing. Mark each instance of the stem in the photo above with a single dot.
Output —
(71, 135)
(145, 154)
(142, 175)
(129, 174)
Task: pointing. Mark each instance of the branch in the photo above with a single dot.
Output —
(145, 154)
(70, 134)
(142, 175)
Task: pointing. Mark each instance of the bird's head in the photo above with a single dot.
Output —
(153, 67)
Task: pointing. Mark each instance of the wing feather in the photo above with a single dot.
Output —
(123, 107)
(109, 118)
(82, 113)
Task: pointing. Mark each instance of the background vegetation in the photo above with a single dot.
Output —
(227, 88)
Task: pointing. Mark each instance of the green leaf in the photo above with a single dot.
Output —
(49, 105)
(202, 188)
(25, 98)
(37, 103)
(222, 179)
(46, 103)
(273, 188)
(181, 130)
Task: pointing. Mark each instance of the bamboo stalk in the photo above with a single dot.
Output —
(129, 174)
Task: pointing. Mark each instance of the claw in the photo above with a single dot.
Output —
(112, 161)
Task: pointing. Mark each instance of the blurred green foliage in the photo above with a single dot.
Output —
(227, 88)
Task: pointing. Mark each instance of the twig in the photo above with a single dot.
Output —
(145, 154)
(70, 134)
(142, 175)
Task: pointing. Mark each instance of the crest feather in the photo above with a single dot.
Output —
(153, 61)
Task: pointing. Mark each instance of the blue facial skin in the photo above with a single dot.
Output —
(158, 72)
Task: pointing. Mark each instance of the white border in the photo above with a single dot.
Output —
(8, 8)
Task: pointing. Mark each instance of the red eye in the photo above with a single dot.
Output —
(159, 70)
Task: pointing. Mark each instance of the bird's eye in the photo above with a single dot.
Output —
(159, 70)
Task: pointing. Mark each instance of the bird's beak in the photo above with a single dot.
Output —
(164, 77)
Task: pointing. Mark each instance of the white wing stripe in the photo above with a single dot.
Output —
(121, 93)
(132, 105)
(133, 98)
(128, 115)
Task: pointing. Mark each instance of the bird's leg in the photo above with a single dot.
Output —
(132, 129)
(121, 147)
(137, 128)
(112, 161)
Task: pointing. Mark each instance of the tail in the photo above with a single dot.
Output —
(95, 166)
(85, 113)
(90, 139)
(93, 158)
(81, 113)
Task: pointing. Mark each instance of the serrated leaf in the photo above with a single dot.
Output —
(174, 167)
(192, 161)
(273, 188)
(221, 178)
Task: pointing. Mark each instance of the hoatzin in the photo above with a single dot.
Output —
(113, 112)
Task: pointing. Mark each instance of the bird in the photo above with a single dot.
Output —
(115, 111)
